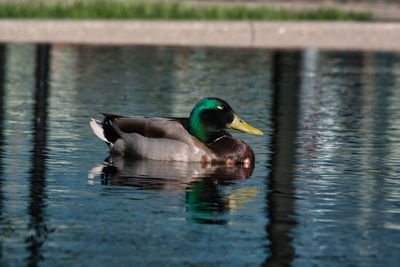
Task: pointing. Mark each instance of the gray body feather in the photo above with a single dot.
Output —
(138, 146)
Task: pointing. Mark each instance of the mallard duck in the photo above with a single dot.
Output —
(200, 138)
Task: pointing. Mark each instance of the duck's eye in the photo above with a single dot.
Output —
(220, 107)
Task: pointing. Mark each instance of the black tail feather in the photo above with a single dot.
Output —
(109, 133)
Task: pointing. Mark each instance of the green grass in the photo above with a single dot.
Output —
(106, 9)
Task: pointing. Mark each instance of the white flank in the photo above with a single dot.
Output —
(98, 129)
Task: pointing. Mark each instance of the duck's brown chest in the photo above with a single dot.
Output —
(232, 151)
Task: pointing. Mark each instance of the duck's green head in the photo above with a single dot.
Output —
(211, 115)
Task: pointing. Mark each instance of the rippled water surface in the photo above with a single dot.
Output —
(325, 189)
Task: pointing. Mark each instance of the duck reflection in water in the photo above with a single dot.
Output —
(117, 170)
(205, 203)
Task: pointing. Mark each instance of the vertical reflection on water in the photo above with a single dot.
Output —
(280, 199)
(384, 113)
(2, 75)
(37, 180)
(344, 162)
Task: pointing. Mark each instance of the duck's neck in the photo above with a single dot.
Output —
(198, 129)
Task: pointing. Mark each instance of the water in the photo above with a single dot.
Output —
(325, 189)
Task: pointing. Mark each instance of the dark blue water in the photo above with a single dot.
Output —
(325, 189)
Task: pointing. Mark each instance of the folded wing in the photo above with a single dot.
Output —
(155, 127)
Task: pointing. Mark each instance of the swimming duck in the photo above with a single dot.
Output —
(200, 138)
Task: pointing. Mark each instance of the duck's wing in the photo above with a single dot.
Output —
(151, 127)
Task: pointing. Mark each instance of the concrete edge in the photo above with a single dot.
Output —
(235, 34)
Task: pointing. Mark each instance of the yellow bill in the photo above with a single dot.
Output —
(241, 125)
